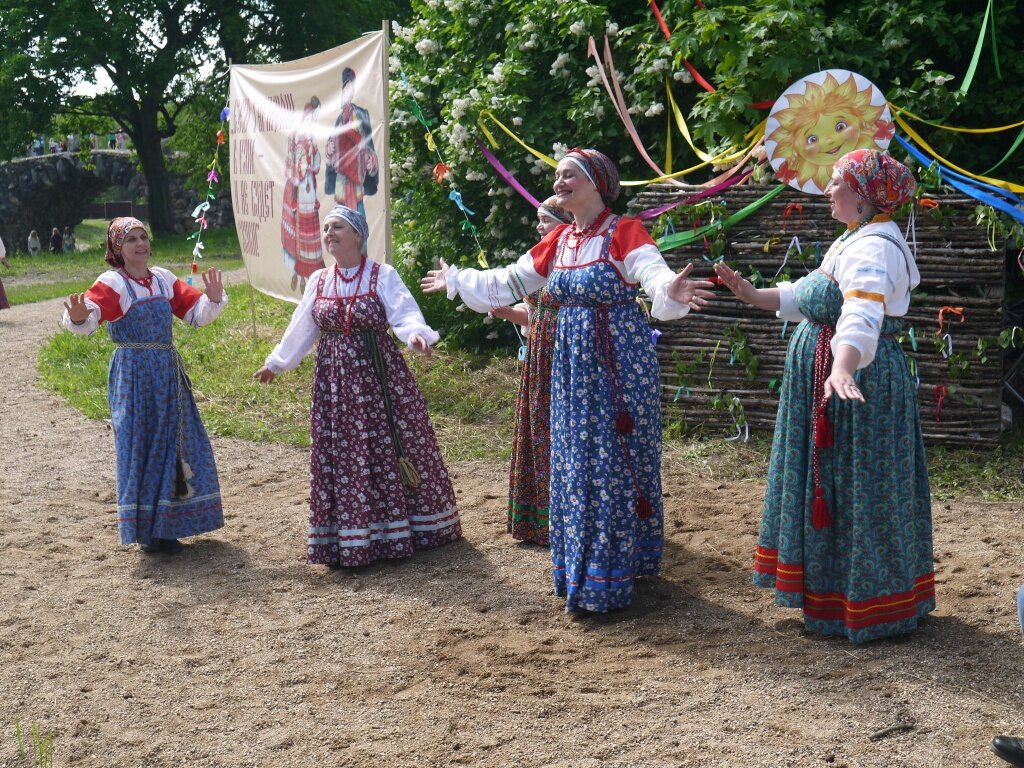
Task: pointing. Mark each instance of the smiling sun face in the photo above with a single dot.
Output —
(820, 125)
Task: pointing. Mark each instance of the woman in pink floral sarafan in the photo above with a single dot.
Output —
(379, 487)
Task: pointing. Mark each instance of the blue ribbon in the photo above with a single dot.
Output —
(456, 197)
(972, 187)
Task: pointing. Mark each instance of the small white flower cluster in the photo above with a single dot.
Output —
(558, 150)
(528, 44)
(654, 110)
(578, 28)
(558, 66)
(538, 167)
(517, 121)
(611, 29)
(497, 75)
(683, 76)
(426, 46)
(460, 107)
(473, 21)
(475, 176)
(453, 5)
(594, 74)
(659, 65)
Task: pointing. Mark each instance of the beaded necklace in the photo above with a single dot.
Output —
(349, 301)
(581, 235)
(146, 282)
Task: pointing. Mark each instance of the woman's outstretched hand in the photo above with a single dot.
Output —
(418, 344)
(435, 280)
(264, 375)
(692, 293)
(76, 307)
(741, 287)
(213, 279)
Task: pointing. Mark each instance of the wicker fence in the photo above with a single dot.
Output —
(709, 357)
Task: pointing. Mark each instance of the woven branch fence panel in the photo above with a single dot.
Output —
(702, 357)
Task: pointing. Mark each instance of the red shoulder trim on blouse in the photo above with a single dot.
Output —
(544, 252)
(107, 299)
(629, 235)
(184, 298)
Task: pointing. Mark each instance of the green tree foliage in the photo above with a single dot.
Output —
(160, 55)
(526, 60)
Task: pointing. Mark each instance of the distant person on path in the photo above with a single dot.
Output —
(4, 304)
(379, 486)
(846, 530)
(167, 486)
(530, 468)
(69, 240)
(34, 246)
(56, 241)
(111, 140)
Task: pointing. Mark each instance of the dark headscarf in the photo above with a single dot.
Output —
(549, 208)
(601, 171)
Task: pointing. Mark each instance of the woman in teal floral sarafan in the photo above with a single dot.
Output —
(846, 531)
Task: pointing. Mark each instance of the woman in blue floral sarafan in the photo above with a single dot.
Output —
(605, 513)
(846, 531)
(167, 486)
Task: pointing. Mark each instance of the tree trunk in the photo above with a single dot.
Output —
(147, 145)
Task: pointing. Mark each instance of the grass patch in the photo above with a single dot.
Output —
(52, 275)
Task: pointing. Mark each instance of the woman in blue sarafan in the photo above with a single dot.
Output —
(606, 522)
(167, 485)
(846, 530)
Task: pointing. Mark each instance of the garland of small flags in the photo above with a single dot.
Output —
(201, 210)
(442, 172)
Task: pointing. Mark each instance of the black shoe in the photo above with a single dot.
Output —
(152, 548)
(1010, 749)
(335, 566)
(171, 546)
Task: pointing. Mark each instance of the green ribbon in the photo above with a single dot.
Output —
(668, 242)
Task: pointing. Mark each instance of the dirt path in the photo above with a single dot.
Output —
(236, 653)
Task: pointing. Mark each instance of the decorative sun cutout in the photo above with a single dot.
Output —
(819, 119)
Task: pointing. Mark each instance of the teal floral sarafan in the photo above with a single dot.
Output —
(870, 573)
(602, 534)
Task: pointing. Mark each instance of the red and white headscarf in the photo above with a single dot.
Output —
(878, 178)
(601, 171)
(116, 233)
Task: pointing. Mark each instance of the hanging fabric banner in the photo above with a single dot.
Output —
(306, 135)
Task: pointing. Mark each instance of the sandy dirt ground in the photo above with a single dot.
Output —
(236, 653)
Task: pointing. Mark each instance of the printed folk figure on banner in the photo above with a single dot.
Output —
(352, 164)
(300, 212)
(819, 119)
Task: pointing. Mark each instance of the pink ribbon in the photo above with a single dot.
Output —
(506, 174)
(619, 101)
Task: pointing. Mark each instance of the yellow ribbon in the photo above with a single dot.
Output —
(753, 136)
(912, 116)
(481, 259)
(1007, 185)
(429, 138)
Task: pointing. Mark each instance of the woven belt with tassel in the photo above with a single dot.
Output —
(624, 423)
(183, 472)
(406, 469)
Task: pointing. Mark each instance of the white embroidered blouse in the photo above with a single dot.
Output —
(875, 276)
(402, 311)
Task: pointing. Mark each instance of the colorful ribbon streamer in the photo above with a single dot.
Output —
(669, 242)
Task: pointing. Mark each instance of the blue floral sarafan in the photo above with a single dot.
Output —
(601, 475)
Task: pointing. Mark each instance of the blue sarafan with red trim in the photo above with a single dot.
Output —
(846, 530)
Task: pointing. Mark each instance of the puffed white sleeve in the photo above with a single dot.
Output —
(403, 313)
(204, 311)
(87, 326)
(484, 289)
(646, 265)
(787, 302)
(867, 271)
(301, 334)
